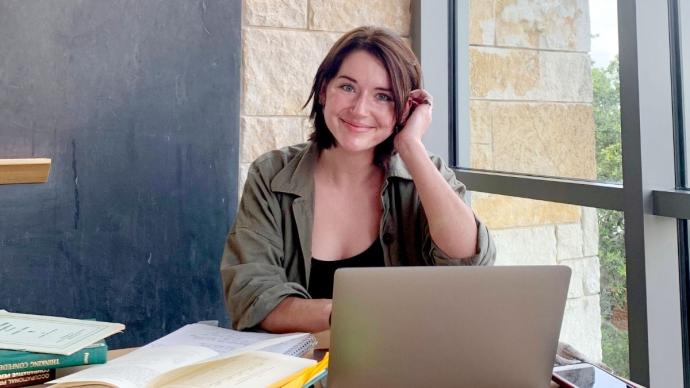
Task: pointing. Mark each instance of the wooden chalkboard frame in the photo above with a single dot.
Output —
(28, 170)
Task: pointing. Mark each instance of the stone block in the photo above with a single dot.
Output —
(584, 280)
(582, 326)
(569, 238)
(482, 23)
(590, 231)
(242, 178)
(543, 24)
(525, 246)
(500, 212)
(262, 134)
(279, 69)
(544, 139)
(576, 288)
(591, 281)
(531, 75)
(276, 13)
(481, 117)
(480, 156)
(344, 15)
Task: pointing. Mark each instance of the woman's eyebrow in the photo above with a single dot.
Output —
(382, 89)
(347, 78)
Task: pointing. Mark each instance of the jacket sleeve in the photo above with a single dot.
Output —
(486, 250)
(254, 279)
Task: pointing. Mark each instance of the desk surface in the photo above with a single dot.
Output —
(322, 346)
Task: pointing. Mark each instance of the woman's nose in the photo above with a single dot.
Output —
(360, 104)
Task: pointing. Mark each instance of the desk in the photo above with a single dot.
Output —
(323, 339)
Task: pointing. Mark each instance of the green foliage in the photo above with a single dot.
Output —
(607, 117)
(615, 349)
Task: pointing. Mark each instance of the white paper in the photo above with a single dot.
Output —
(244, 370)
(225, 341)
(138, 368)
(45, 334)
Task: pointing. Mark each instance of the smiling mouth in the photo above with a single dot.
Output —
(356, 126)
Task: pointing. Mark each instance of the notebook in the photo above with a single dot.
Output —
(446, 326)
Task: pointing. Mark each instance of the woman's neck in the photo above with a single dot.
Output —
(347, 168)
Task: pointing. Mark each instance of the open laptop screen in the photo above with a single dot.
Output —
(446, 326)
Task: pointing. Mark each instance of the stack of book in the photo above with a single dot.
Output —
(32, 347)
(20, 369)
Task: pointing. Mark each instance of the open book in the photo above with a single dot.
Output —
(199, 355)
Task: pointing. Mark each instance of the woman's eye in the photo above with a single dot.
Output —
(347, 88)
(384, 97)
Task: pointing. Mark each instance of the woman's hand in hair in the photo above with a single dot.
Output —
(418, 113)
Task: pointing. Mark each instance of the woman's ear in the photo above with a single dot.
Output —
(407, 110)
(322, 96)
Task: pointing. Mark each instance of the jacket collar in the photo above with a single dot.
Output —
(297, 177)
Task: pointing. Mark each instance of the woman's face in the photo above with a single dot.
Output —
(358, 103)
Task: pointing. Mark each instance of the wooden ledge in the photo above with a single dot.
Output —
(33, 170)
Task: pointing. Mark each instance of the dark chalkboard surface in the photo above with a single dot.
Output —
(137, 104)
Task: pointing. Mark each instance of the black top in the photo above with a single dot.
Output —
(322, 272)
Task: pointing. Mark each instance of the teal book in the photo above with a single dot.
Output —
(12, 361)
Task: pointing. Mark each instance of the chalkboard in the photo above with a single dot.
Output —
(137, 104)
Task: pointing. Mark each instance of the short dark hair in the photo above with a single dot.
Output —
(401, 64)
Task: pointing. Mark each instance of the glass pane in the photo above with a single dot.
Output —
(543, 89)
(591, 242)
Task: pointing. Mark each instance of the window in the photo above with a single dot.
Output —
(541, 144)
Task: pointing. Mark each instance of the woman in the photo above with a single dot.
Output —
(363, 192)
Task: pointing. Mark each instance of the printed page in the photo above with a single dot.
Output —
(248, 369)
(225, 341)
(138, 368)
(45, 334)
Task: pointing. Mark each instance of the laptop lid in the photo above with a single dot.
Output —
(446, 326)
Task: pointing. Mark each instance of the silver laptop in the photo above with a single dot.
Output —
(446, 326)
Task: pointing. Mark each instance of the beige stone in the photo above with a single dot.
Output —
(481, 156)
(481, 117)
(497, 72)
(592, 276)
(590, 231)
(279, 68)
(582, 326)
(500, 212)
(515, 74)
(344, 15)
(276, 13)
(544, 139)
(262, 134)
(525, 246)
(543, 24)
(569, 241)
(482, 23)
(576, 286)
(242, 179)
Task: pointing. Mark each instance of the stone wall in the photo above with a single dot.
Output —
(531, 112)
(530, 108)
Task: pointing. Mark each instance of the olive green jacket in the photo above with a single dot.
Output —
(267, 254)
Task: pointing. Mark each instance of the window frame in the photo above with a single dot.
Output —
(655, 210)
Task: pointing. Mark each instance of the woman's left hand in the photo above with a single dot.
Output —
(420, 104)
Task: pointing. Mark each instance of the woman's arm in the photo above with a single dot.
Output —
(451, 222)
(296, 314)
